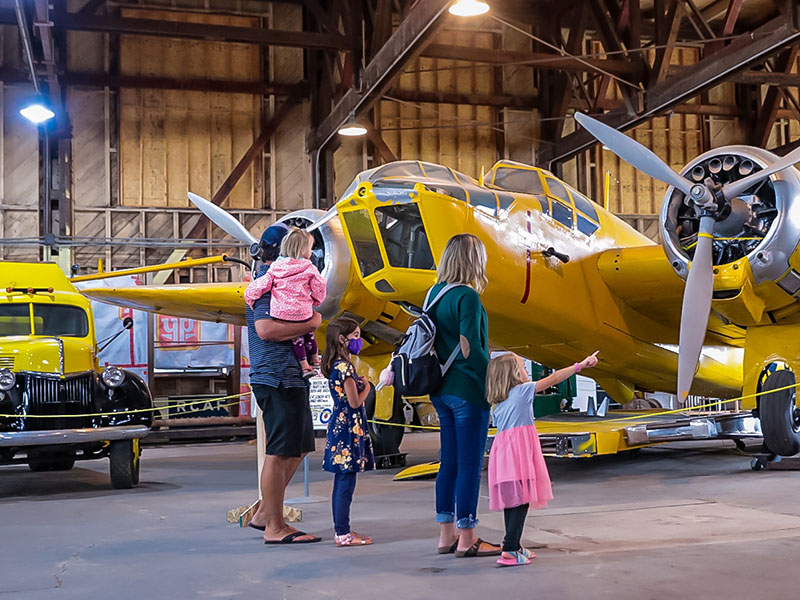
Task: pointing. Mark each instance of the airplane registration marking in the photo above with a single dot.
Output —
(527, 291)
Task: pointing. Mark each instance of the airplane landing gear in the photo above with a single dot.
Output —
(780, 415)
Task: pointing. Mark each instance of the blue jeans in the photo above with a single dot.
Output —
(463, 438)
(344, 484)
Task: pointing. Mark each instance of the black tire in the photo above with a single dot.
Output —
(386, 438)
(780, 415)
(123, 459)
(50, 461)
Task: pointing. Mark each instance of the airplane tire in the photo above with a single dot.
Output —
(780, 415)
(385, 438)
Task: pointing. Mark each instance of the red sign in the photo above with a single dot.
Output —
(175, 333)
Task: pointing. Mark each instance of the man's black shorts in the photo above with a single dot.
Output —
(287, 419)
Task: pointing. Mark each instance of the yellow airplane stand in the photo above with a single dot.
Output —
(578, 435)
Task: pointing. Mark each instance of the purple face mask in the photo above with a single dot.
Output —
(354, 345)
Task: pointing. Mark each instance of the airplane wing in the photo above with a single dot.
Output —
(643, 279)
(219, 302)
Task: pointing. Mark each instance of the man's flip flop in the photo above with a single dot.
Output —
(259, 527)
(290, 539)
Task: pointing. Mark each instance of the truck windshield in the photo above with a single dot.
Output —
(48, 319)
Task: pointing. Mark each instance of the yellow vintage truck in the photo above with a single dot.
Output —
(57, 405)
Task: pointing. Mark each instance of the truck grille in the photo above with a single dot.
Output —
(6, 361)
(56, 396)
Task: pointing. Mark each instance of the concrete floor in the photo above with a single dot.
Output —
(668, 523)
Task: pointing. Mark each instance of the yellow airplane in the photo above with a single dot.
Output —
(566, 277)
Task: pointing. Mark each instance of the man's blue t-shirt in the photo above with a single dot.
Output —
(271, 363)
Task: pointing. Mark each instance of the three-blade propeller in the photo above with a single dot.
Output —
(699, 289)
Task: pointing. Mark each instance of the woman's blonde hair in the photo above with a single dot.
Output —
(502, 375)
(295, 243)
(463, 261)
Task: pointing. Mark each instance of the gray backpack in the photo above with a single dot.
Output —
(416, 366)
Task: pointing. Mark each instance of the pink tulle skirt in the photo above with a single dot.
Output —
(517, 471)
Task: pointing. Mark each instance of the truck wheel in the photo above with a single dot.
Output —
(123, 458)
(49, 461)
(780, 415)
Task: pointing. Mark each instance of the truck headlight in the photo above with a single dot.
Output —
(7, 379)
(112, 376)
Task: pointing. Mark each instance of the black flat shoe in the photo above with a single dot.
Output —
(259, 527)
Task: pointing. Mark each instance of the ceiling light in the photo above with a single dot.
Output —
(468, 8)
(352, 128)
(37, 113)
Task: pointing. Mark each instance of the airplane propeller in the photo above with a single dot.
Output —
(223, 219)
(699, 289)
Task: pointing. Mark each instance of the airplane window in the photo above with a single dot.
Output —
(437, 172)
(545, 202)
(586, 226)
(409, 168)
(505, 200)
(404, 236)
(453, 191)
(483, 200)
(583, 204)
(562, 213)
(524, 181)
(464, 179)
(362, 236)
(557, 189)
(59, 319)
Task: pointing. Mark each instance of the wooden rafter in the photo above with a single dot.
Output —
(408, 40)
(753, 49)
(668, 34)
(769, 106)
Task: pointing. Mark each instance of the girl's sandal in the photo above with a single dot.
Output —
(513, 559)
(527, 553)
(352, 539)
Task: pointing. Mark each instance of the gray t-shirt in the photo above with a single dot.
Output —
(517, 409)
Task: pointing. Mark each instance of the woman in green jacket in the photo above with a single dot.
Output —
(461, 400)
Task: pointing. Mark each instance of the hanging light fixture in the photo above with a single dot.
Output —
(37, 113)
(468, 8)
(352, 128)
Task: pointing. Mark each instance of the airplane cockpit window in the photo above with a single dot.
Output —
(583, 204)
(365, 245)
(404, 236)
(524, 181)
(403, 168)
(483, 200)
(437, 172)
(557, 189)
(562, 213)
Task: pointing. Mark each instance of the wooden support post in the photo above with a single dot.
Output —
(731, 15)
(671, 23)
(377, 140)
(769, 107)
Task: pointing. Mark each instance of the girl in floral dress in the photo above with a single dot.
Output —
(348, 448)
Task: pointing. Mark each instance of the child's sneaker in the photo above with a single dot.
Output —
(352, 539)
(513, 559)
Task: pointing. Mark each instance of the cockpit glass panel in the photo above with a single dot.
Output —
(562, 213)
(465, 179)
(454, 191)
(365, 245)
(524, 181)
(583, 204)
(15, 319)
(586, 226)
(405, 168)
(437, 172)
(557, 189)
(404, 236)
(60, 319)
(483, 200)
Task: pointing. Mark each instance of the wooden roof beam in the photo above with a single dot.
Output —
(225, 33)
(539, 60)
(405, 44)
(745, 52)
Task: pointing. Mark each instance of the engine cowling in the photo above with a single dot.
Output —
(331, 255)
(760, 227)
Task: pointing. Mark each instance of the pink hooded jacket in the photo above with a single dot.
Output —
(296, 287)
